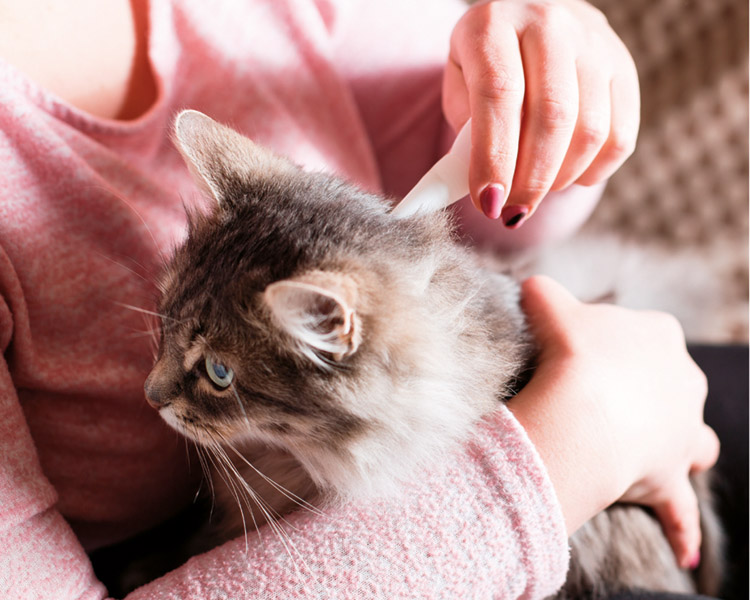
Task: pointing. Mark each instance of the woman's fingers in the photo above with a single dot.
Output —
(707, 450)
(680, 519)
(676, 504)
(592, 128)
(455, 96)
(551, 112)
(488, 52)
(624, 123)
(553, 96)
(679, 514)
(547, 305)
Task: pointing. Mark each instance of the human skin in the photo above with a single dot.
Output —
(553, 96)
(91, 58)
(554, 100)
(616, 421)
(95, 61)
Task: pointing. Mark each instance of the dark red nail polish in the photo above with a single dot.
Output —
(514, 216)
(491, 199)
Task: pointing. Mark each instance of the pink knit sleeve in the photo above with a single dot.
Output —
(485, 526)
(40, 556)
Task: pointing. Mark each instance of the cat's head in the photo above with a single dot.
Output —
(299, 313)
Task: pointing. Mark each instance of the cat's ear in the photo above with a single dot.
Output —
(224, 163)
(318, 310)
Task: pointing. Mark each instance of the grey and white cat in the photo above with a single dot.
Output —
(315, 342)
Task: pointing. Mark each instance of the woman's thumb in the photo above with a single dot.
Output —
(546, 303)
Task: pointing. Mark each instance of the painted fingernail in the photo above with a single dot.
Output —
(514, 216)
(491, 199)
(695, 561)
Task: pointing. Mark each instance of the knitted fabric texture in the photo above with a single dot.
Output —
(88, 207)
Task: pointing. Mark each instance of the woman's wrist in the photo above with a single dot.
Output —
(571, 435)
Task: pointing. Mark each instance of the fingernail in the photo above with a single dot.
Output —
(491, 199)
(695, 561)
(514, 216)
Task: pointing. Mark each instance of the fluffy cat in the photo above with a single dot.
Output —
(315, 342)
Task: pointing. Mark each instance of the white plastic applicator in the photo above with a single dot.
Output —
(445, 183)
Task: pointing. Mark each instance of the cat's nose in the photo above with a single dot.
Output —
(156, 395)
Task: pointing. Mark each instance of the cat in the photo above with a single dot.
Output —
(323, 350)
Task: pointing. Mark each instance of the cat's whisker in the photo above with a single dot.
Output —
(220, 468)
(150, 281)
(122, 199)
(289, 546)
(288, 494)
(269, 514)
(268, 511)
(148, 312)
(274, 520)
(206, 470)
(187, 452)
(271, 519)
(277, 486)
(207, 475)
(237, 483)
(231, 468)
(142, 334)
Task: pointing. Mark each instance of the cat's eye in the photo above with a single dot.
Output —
(220, 374)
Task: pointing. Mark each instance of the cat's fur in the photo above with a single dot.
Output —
(362, 345)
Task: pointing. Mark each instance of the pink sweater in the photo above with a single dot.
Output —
(87, 209)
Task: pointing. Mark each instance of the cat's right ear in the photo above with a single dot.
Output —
(223, 162)
(319, 311)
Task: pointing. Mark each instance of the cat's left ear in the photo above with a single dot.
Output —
(225, 163)
(318, 310)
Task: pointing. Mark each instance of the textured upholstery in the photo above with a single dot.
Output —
(686, 185)
(688, 177)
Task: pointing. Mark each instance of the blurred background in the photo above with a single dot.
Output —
(686, 185)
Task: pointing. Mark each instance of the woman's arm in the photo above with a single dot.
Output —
(615, 412)
(484, 525)
(40, 556)
(615, 409)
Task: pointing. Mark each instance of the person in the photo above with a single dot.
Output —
(92, 198)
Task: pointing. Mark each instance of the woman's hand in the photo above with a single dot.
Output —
(615, 409)
(553, 96)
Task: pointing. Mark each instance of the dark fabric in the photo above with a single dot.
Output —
(727, 412)
(639, 595)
